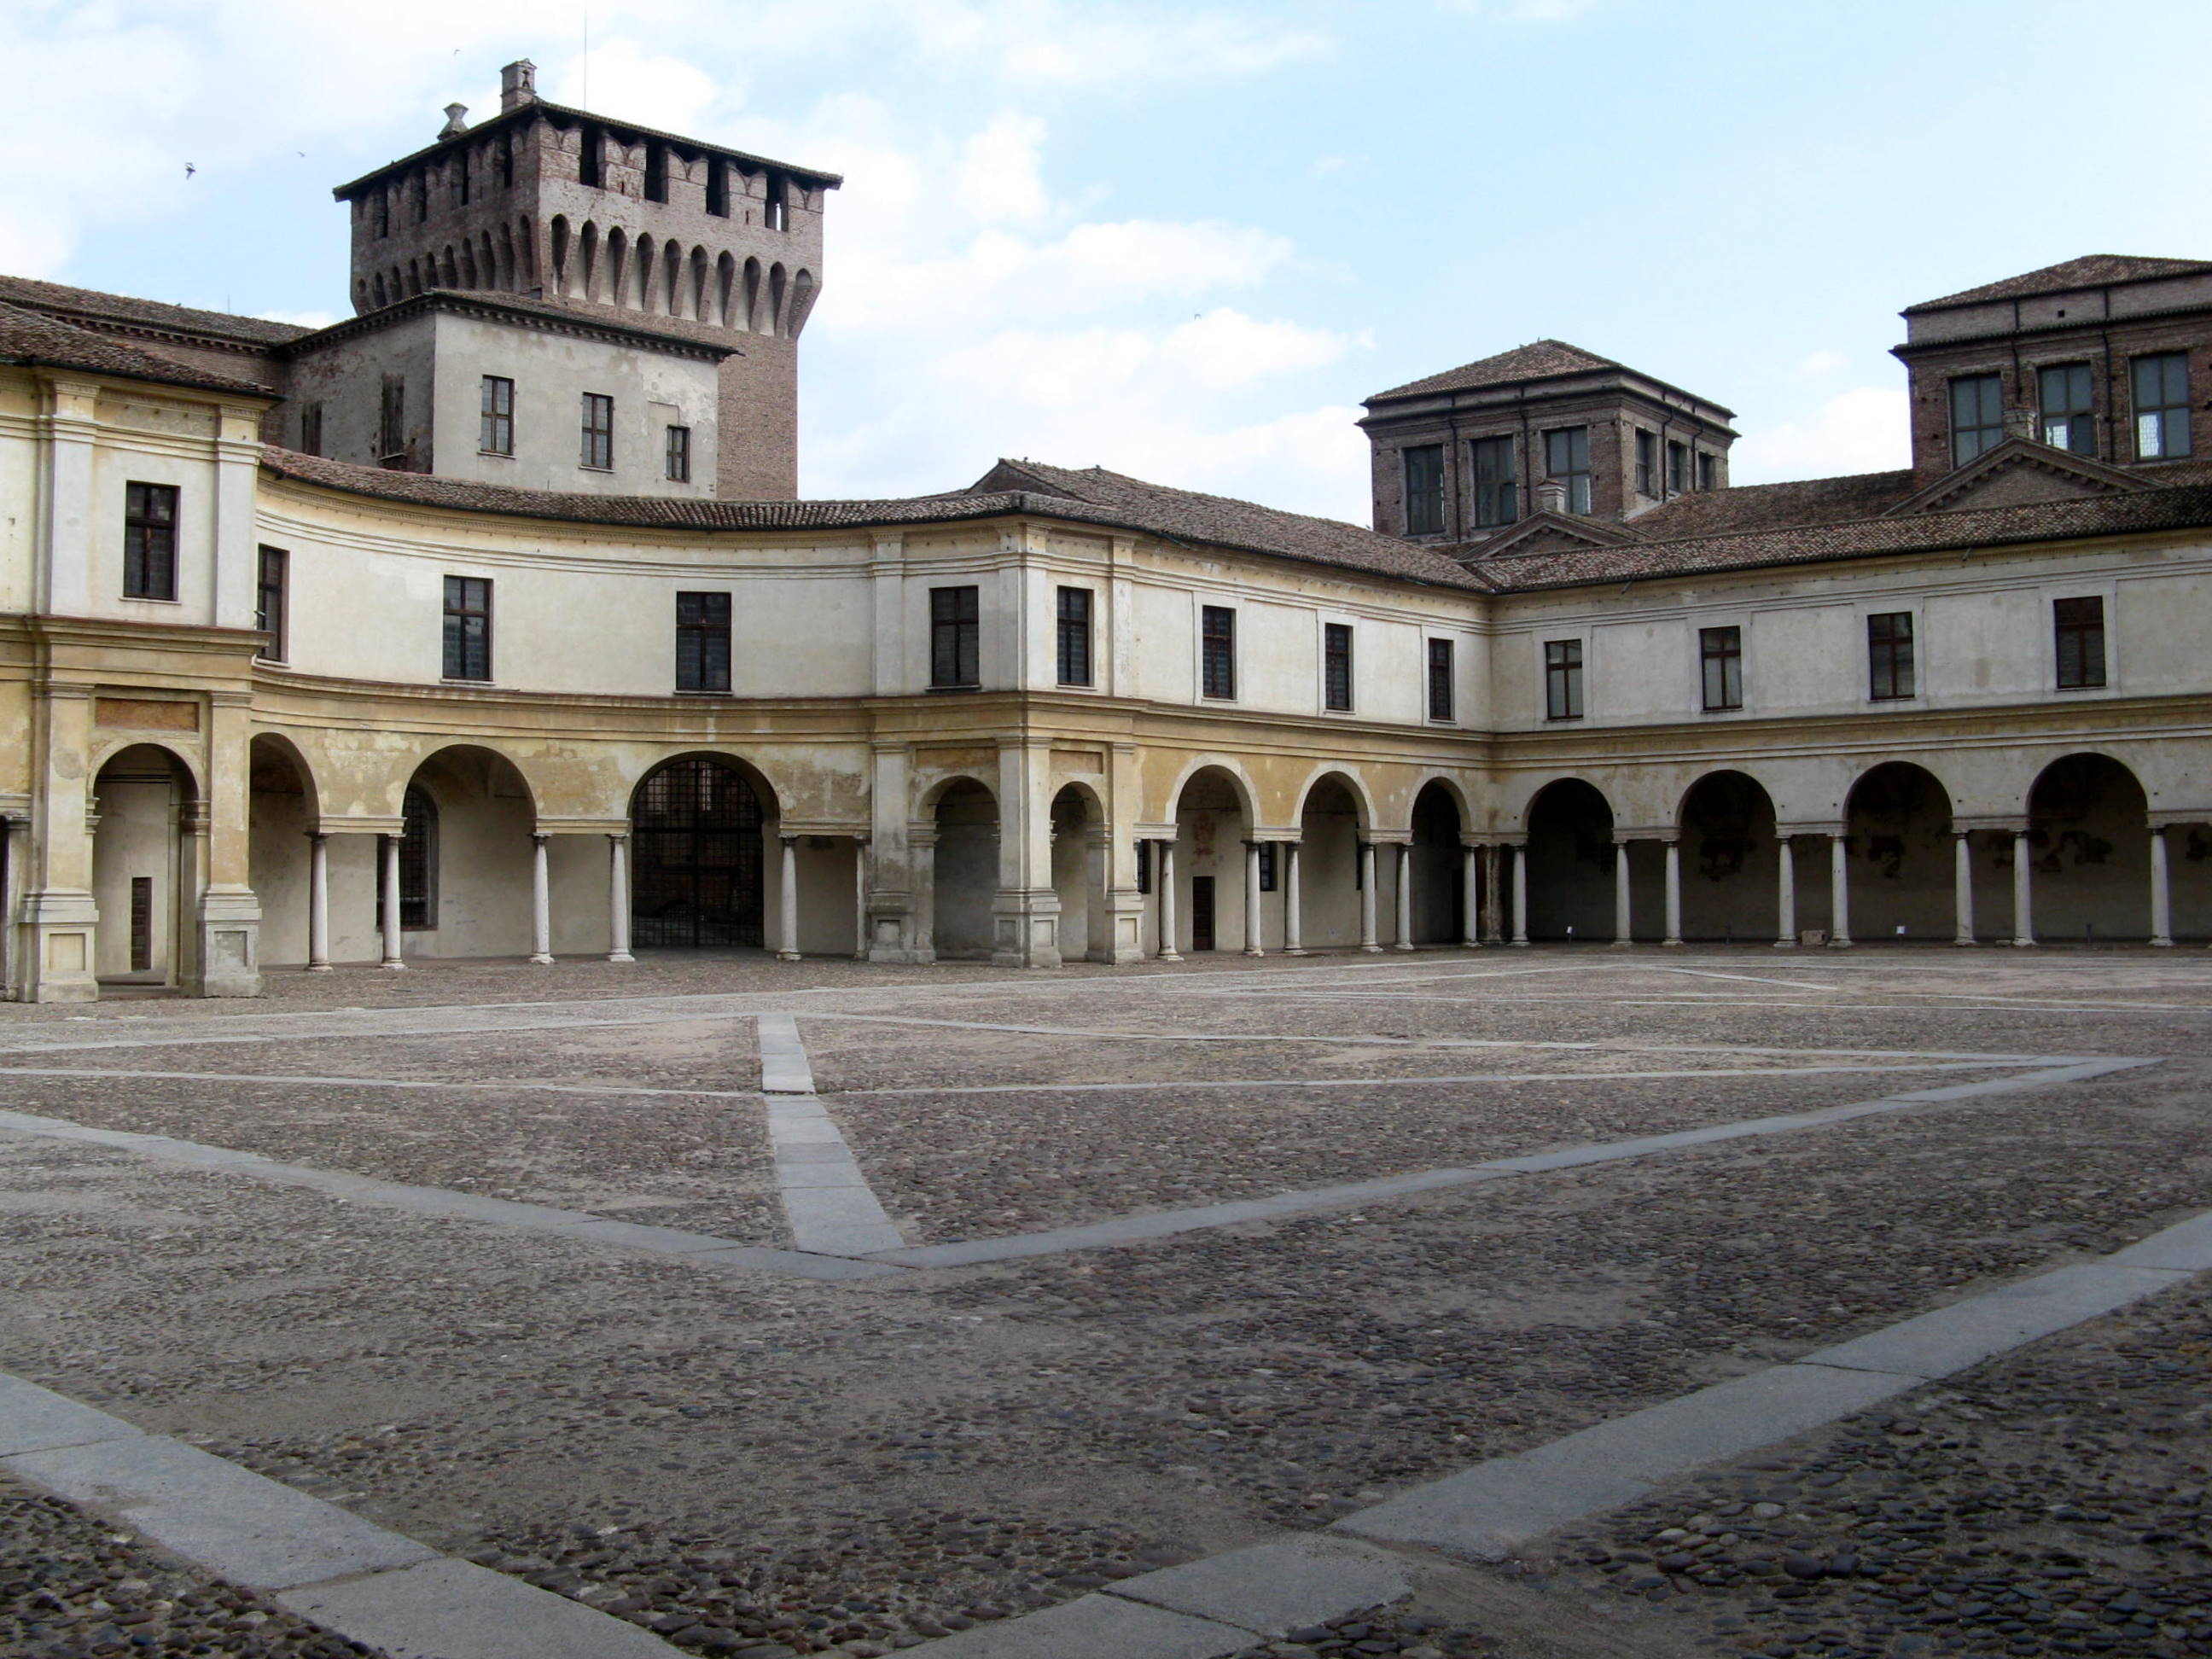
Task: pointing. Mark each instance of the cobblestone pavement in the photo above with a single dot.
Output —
(760, 1464)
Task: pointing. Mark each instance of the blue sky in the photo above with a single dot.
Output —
(1184, 241)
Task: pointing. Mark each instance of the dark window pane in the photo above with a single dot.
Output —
(150, 541)
(1440, 680)
(1889, 654)
(1074, 642)
(679, 454)
(495, 424)
(2161, 406)
(468, 629)
(2080, 626)
(598, 438)
(1495, 494)
(1424, 490)
(1217, 650)
(1336, 666)
(955, 627)
(269, 601)
(1647, 463)
(702, 641)
(1566, 458)
(1563, 679)
(1720, 656)
(1977, 416)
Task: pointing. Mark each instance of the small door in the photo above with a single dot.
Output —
(1202, 913)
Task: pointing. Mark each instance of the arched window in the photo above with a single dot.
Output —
(695, 824)
(418, 861)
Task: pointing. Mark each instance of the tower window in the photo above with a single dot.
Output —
(777, 215)
(2079, 625)
(678, 457)
(1424, 490)
(461, 180)
(150, 541)
(1336, 666)
(591, 164)
(379, 213)
(495, 426)
(1217, 651)
(310, 428)
(1647, 463)
(422, 192)
(1566, 458)
(269, 602)
(702, 641)
(1440, 680)
(1678, 468)
(2068, 401)
(1563, 679)
(1074, 641)
(598, 438)
(718, 187)
(955, 638)
(1889, 656)
(504, 156)
(1709, 471)
(2161, 386)
(656, 173)
(468, 628)
(1720, 652)
(1977, 416)
(1496, 498)
(391, 422)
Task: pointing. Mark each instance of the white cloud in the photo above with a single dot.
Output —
(1819, 365)
(1000, 176)
(1866, 429)
(621, 79)
(302, 318)
(1085, 46)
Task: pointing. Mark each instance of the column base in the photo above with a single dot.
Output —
(2162, 945)
(1371, 949)
(1296, 951)
(1671, 944)
(317, 967)
(788, 956)
(393, 967)
(57, 944)
(229, 941)
(1167, 956)
(1518, 944)
(1785, 944)
(542, 959)
(620, 955)
(1620, 944)
(1252, 951)
(2022, 944)
(1841, 943)
(1966, 944)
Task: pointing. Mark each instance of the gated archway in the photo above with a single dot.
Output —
(698, 877)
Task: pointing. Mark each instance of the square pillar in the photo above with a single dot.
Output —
(1026, 915)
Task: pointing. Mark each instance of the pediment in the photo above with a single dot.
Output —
(2019, 472)
(1549, 533)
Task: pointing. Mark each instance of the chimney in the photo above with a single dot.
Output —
(1551, 497)
(456, 121)
(518, 84)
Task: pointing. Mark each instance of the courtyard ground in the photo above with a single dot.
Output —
(1161, 1262)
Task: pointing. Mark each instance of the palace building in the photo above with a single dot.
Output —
(485, 623)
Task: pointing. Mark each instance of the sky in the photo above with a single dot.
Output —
(1184, 241)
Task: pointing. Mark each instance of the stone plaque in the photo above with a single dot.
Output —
(147, 714)
(967, 757)
(1079, 760)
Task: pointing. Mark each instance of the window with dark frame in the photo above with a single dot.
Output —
(269, 602)
(1563, 679)
(392, 420)
(506, 154)
(590, 165)
(718, 187)
(1678, 468)
(1647, 462)
(1566, 458)
(495, 422)
(1336, 667)
(2161, 406)
(418, 860)
(1144, 865)
(141, 924)
(1441, 688)
(702, 641)
(2079, 625)
(599, 447)
(1497, 496)
(656, 173)
(421, 183)
(150, 541)
(1977, 416)
(2067, 393)
(1267, 866)
(1709, 471)
(776, 215)
(1424, 490)
(310, 428)
(956, 616)
(379, 212)
(679, 455)
(1217, 651)
(1074, 636)
(461, 180)
(1720, 655)
(1890, 671)
(468, 628)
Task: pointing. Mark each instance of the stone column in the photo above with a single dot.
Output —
(225, 944)
(1493, 912)
(541, 900)
(1025, 913)
(1404, 907)
(618, 899)
(1470, 889)
(318, 902)
(1166, 875)
(860, 898)
(1623, 921)
(2161, 894)
(1674, 893)
(1253, 945)
(1840, 892)
(2023, 889)
(1367, 897)
(1785, 926)
(1962, 886)
(391, 901)
(1520, 893)
(1294, 903)
(786, 924)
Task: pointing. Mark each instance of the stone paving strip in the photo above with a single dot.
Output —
(1223, 1604)
(321, 1562)
(826, 1199)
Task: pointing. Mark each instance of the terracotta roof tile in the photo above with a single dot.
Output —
(1770, 507)
(148, 314)
(1535, 361)
(31, 336)
(2090, 271)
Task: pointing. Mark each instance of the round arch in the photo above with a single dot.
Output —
(1229, 770)
(1439, 899)
(2088, 831)
(930, 797)
(699, 853)
(141, 881)
(1730, 857)
(1899, 860)
(964, 814)
(1351, 783)
(1570, 861)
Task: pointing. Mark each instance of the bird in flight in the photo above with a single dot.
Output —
(190, 169)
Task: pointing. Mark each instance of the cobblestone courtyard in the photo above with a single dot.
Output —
(1158, 1263)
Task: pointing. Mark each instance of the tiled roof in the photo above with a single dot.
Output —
(1770, 507)
(31, 336)
(1535, 361)
(598, 319)
(2090, 271)
(2186, 507)
(145, 313)
(1092, 497)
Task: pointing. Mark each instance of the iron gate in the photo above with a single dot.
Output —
(696, 834)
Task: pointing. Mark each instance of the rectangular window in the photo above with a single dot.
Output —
(1424, 490)
(468, 628)
(380, 212)
(656, 173)
(590, 167)
(1709, 471)
(679, 456)
(1144, 865)
(1566, 458)
(702, 641)
(2080, 625)
(150, 541)
(1889, 655)
(1266, 851)
(777, 213)
(954, 637)
(310, 428)
(718, 187)
(506, 163)
(1074, 636)
(421, 183)
(2069, 400)
(598, 450)
(1217, 649)
(2161, 385)
(391, 422)
(1720, 652)
(461, 180)
(1563, 679)
(1678, 468)
(1336, 666)
(141, 924)
(1496, 498)
(1977, 416)
(1440, 680)
(496, 425)
(418, 861)
(1647, 463)
(269, 602)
